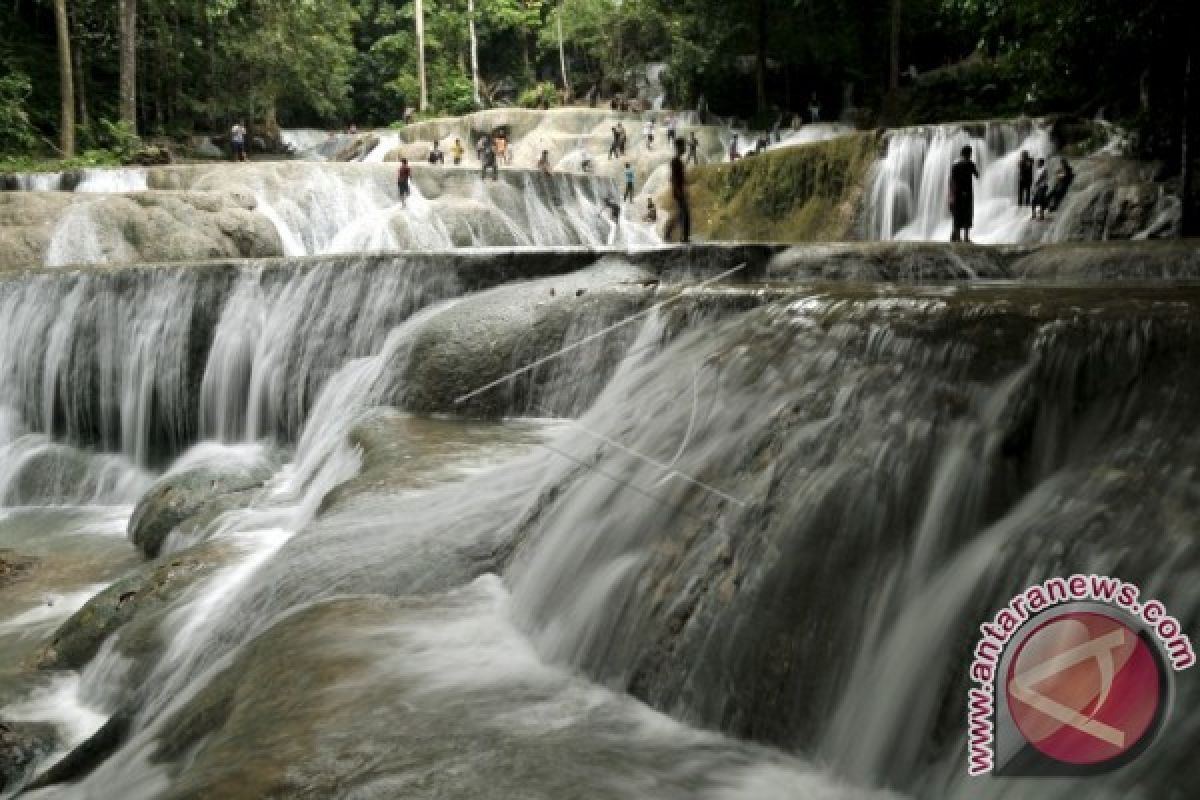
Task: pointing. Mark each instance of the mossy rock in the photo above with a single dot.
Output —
(177, 497)
(141, 594)
(797, 194)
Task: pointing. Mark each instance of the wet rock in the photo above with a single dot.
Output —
(13, 566)
(136, 601)
(177, 497)
(22, 744)
(146, 226)
(88, 755)
(486, 337)
(1091, 262)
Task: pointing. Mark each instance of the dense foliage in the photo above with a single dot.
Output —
(203, 63)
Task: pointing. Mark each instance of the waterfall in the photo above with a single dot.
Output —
(908, 189)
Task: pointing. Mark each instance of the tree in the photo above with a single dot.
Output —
(419, 13)
(562, 55)
(894, 49)
(474, 53)
(65, 80)
(127, 24)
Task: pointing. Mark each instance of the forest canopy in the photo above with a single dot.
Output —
(168, 67)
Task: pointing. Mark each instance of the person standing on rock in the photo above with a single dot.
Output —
(671, 132)
(489, 162)
(237, 137)
(543, 163)
(630, 177)
(733, 149)
(693, 149)
(963, 175)
(614, 150)
(814, 108)
(683, 214)
(403, 178)
(648, 133)
(1025, 179)
(457, 152)
(1041, 190)
(1062, 184)
(623, 136)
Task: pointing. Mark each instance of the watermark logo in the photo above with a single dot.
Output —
(1072, 677)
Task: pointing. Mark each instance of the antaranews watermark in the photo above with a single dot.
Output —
(1082, 689)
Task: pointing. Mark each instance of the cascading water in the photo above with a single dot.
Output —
(644, 538)
(908, 189)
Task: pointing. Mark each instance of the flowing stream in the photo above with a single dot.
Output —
(513, 524)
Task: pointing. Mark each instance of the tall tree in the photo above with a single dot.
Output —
(761, 41)
(894, 55)
(65, 79)
(419, 12)
(474, 53)
(127, 33)
(562, 55)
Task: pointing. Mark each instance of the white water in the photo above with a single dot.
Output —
(907, 192)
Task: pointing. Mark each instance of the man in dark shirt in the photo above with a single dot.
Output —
(962, 196)
(683, 214)
(1025, 179)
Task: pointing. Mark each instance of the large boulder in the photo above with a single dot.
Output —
(135, 603)
(177, 497)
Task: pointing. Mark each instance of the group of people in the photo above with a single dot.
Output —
(682, 221)
(1034, 189)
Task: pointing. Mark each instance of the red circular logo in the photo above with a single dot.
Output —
(1084, 688)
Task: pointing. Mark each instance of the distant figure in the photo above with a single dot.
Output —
(585, 163)
(1062, 184)
(403, 177)
(962, 195)
(623, 136)
(1025, 179)
(614, 150)
(237, 138)
(797, 121)
(483, 144)
(614, 209)
(436, 156)
(761, 145)
(814, 108)
(733, 149)
(683, 214)
(693, 149)
(456, 151)
(1041, 190)
(629, 180)
(544, 162)
(352, 130)
(651, 211)
(702, 110)
(648, 133)
(489, 163)
(502, 148)
(671, 131)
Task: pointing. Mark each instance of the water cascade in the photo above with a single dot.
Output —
(521, 520)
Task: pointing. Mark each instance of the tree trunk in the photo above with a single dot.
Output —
(474, 52)
(760, 56)
(77, 71)
(65, 79)
(894, 61)
(127, 25)
(1190, 227)
(562, 56)
(419, 10)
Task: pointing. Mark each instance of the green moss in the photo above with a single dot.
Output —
(798, 194)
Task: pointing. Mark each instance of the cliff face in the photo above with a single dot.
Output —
(797, 194)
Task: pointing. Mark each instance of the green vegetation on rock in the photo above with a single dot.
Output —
(798, 194)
